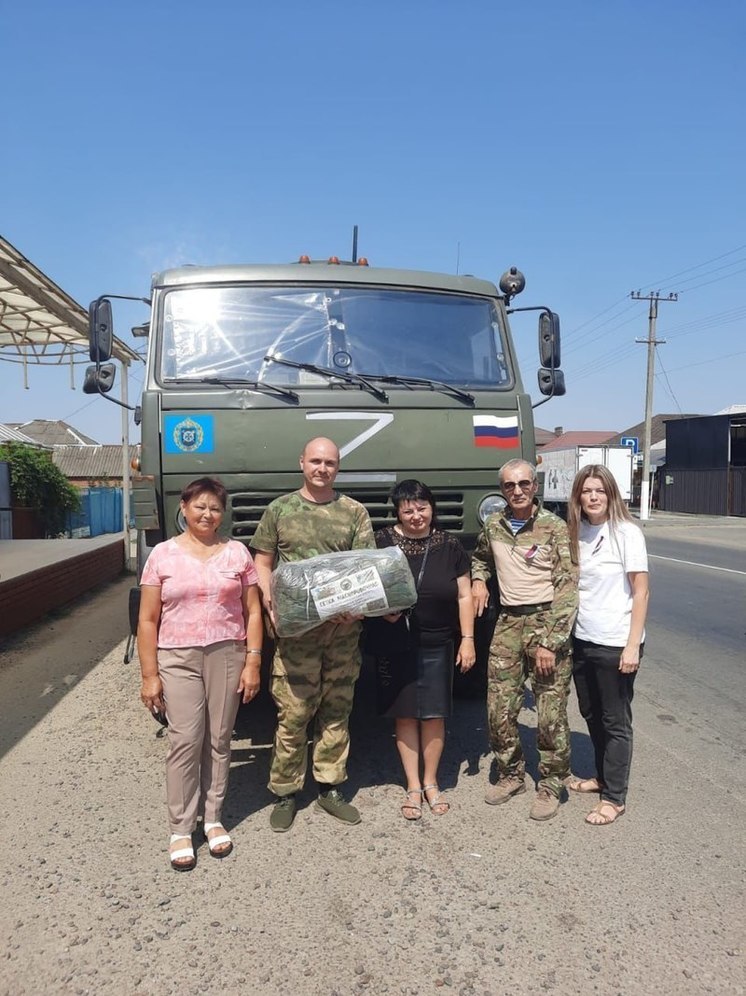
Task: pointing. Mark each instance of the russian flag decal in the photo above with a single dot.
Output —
(497, 431)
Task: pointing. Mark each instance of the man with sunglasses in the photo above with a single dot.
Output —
(528, 549)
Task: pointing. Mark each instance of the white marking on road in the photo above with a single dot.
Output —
(693, 563)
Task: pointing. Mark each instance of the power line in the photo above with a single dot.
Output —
(602, 362)
(589, 320)
(580, 345)
(697, 266)
(713, 359)
(703, 327)
(698, 324)
(718, 269)
(94, 400)
(715, 281)
(665, 280)
(593, 364)
(82, 408)
(668, 384)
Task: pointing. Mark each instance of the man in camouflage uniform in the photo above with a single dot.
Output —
(313, 675)
(529, 550)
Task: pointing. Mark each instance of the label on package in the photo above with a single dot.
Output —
(360, 592)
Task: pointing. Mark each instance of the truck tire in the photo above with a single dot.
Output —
(146, 540)
(145, 543)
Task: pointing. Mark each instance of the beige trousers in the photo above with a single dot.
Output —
(199, 689)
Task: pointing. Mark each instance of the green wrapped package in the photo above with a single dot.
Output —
(305, 593)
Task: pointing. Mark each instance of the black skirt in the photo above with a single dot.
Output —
(416, 683)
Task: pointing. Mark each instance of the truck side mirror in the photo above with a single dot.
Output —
(549, 339)
(551, 382)
(100, 330)
(99, 379)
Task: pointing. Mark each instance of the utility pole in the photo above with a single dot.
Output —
(652, 342)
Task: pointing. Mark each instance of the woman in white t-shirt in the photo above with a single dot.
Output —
(609, 631)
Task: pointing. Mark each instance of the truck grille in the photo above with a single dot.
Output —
(247, 510)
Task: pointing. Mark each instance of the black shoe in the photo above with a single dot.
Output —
(333, 803)
(283, 813)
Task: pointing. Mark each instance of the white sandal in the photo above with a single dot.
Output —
(183, 859)
(217, 844)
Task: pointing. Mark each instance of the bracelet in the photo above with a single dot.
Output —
(257, 652)
(467, 637)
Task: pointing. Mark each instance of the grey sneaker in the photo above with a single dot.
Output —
(545, 805)
(504, 791)
(283, 813)
(333, 803)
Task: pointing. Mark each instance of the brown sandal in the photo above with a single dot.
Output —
(591, 786)
(606, 813)
(415, 808)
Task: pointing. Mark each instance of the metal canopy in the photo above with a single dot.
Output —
(39, 322)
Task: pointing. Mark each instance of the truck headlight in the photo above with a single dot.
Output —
(180, 521)
(490, 504)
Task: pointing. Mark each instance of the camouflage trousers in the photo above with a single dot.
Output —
(511, 662)
(313, 677)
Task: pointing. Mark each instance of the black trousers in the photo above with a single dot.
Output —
(605, 700)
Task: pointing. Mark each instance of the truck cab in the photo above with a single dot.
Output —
(412, 374)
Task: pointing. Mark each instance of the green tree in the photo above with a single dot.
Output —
(38, 484)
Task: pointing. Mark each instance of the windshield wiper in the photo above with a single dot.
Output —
(325, 372)
(231, 382)
(434, 385)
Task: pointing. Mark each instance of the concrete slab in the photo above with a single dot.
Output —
(18, 557)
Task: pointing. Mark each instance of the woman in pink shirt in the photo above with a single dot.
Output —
(199, 639)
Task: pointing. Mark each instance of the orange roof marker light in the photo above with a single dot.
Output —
(333, 261)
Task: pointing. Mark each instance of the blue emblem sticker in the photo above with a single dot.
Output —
(188, 434)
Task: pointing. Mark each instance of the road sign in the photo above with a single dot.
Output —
(632, 441)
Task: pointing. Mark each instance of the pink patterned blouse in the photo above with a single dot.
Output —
(200, 600)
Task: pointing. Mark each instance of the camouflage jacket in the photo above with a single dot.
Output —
(532, 566)
(293, 528)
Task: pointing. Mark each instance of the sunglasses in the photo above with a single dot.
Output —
(510, 486)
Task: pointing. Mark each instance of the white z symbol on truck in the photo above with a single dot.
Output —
(379, 419)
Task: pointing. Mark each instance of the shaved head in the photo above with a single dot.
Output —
(320, 441)
(319, 463)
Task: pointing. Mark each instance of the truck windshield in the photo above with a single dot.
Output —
(228, 332)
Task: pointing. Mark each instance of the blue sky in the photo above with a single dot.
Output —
(599, 147)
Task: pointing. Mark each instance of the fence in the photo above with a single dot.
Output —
(737, 495)
(714, 491)
(100, 512)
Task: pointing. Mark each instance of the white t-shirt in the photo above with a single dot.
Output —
(606, 558)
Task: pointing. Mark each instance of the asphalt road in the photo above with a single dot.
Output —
(479, 901)
(719, 552)
(697, 628)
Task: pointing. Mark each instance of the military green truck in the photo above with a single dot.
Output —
(412, 374)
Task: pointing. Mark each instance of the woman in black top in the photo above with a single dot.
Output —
(415, 652)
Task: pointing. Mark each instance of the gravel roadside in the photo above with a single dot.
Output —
(481, 900)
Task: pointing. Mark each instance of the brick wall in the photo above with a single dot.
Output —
(26, 598)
